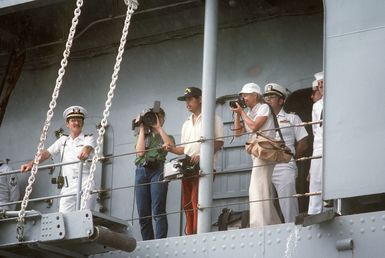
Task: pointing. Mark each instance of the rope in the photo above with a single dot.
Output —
(131, 7)
(52, 105)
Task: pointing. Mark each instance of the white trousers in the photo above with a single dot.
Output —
(261, 212)
(283, 179)
(68, 204)
(315, 202)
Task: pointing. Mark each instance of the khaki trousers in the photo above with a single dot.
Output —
(261, 212)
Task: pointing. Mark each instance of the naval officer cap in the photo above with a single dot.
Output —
(275, 88)
(319, 76)
(75, 111)
(251, 87)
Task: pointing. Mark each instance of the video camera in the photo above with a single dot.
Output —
(240, 101)
(180, 167)
(148, 116)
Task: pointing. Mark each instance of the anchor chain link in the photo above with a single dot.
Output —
(47, 123)
(131, 7)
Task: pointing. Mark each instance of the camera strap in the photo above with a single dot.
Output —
(61, 161)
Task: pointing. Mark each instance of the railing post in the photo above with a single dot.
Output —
(79, 192)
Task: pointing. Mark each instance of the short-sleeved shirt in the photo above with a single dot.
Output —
(317, 128)
(9, 188)
(261, 110)
(153, 142)
(193, 132)
(72, 149)
(291, 135)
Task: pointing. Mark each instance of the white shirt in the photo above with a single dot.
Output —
(193, 132)
(261, 110)
(317, 128)
(293, 134)
(9, 189)
(72, 149)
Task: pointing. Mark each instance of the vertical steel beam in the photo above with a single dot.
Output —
(208, 115)
(79, 192)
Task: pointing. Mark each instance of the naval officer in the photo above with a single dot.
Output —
(77, 146)
(285, 174)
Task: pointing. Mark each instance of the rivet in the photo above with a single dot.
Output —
(184, 251)
(176, 253)
(351, 222)
(232, 236)
(362, 230)
(176, 243)
(373, 219)
(166, 253)
(373, 229)
(319, 235)
(260, 243)
(204, 239)
(278, 230)
(383, 228)
(214, 238)
(184, 242)
(147, 256)
(251, 244)
(278, 241)
(309, 237)
(213, 248)
(203, 250)
(194, 241)
(166, 244)
(194, 251)
(223, 247)
(260, 233)
(299, 238)
(138, 248)
(251, 234)
(269, 242)
(242, 245)
(362, 220)
(383, 217)
(288, 230)
(309, 227)
(224, 237)
(156, 255)
(232, 246)
(243, 235)
(147, 247)
(351, 232)
(157, 245)
(269, 233)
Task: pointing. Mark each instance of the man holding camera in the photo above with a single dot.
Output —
(192, 131)
(285, 174)
(75, 147)
(150, 191)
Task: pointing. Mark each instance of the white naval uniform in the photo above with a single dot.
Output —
(9, 188)
(285, 174)
(315, 202)
(72, 149)
(261, 212)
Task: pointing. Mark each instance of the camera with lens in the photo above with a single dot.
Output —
(59, 181)
(180, 167)
(147, 117)
(240, 101)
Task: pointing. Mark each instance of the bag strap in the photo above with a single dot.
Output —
(276, 125)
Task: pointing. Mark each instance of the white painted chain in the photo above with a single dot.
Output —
(47, 123)
(131, 7)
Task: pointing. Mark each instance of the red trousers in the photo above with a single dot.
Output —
(190, 203)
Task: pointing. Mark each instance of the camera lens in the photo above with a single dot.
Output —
(233, 104)
(149, 119)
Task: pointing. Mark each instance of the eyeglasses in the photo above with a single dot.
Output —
(269, 97)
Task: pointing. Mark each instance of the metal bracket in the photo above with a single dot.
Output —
(52, 227)
(319, 218)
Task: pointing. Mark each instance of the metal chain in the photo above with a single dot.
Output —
(47, 123)
(131, 7)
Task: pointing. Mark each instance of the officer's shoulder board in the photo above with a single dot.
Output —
(88, 135)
